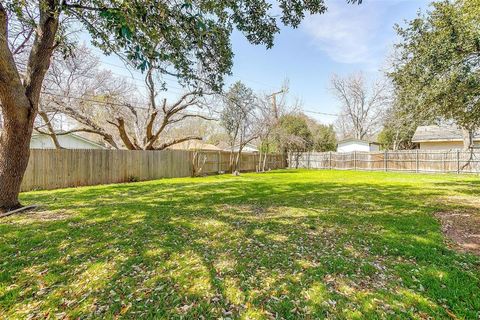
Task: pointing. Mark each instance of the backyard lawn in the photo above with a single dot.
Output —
(289, 244)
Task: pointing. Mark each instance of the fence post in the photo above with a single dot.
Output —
(416, 161)
(219, 164)
(444, 168)
(354, 160)
(330, 160)
(458, 161)
(385, 161)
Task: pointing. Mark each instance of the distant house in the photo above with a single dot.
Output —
(194, 145)
(67, 141)
(352, 144)
(247, 148)
(441, 138)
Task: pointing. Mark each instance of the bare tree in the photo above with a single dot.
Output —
(271, 108)
(110, 107)
(268, 116)
(362, 104)
(77, 88)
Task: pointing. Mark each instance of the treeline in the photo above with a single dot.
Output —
(269, 122)
(435, 73)
(432, 78)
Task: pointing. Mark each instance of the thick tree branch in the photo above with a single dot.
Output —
(12, 92)
(151, 122)
(95, 129)
(183, 117)
(42, 50)
(51, 131)
(120, 125)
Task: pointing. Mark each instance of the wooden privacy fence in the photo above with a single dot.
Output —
(208, 162)
(53, 169)
(454, 161)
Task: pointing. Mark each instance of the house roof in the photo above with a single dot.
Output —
(249, 147)
(72, 135)
(439, 133)
(195, 145)
(357, 140)
(246, 147)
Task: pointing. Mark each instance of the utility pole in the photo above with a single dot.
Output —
(274, 103)
(276, 119)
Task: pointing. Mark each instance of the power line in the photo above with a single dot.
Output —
(91, 100)
(172, 78)
(137, 81)
(169, 86)
(110, 103)
(322, 113)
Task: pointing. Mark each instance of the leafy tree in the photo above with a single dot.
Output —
(188, 39)
(396, 138)
(437, 69)
(238, 117)
(324, 138)
(399, 126)
(296, 131)
(295, 135)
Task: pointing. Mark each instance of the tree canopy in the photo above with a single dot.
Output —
(296, 136)
(436, 72)
(188, 39)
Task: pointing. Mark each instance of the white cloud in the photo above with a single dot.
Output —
(352, 34)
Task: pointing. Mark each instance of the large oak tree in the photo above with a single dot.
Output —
(181, 37)
(436, 72)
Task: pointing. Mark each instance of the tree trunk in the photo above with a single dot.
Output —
(467, 138)
(14, 155)
(20, 99)
(259, 165)
(51, 131)
(264, 160)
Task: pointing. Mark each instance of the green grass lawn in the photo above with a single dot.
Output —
(286, 244)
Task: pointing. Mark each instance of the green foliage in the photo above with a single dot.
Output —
(293, 244)
(189, 39)
(437, 71)
(301, 133)
(386, 138)
(295, 124)
(324, 138)
(399, 127)
(296, 135)
(236, 115)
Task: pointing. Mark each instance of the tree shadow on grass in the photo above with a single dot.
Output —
(258, 246)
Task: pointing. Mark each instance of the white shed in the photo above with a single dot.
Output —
(352, 144)
(67, 141)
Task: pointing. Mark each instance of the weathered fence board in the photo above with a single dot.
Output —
(453, 161)
(53, 169)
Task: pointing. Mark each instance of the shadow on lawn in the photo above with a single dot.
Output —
(469, 187)
(230, 247)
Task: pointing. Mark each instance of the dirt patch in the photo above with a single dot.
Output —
(462, 228)
(36, 215)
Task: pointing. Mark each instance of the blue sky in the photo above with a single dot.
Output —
(348, 38)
